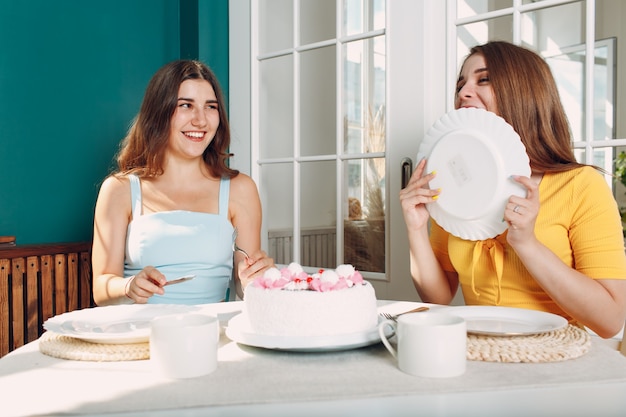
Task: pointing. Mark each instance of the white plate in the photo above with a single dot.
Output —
(239, 331)
(475, 153)
(506, 321)
(112, 324)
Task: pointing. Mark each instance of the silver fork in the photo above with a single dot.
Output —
(394, 317)
(237, 248)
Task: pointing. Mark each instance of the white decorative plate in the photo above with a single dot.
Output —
(239, 331)
(112, 324)
(474, 153)
(506, 321)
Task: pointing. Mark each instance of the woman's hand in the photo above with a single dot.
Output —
(415, 196)
(521, 213)
(145, 284)
(250, 268)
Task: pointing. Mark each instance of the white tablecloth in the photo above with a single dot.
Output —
(294, 382)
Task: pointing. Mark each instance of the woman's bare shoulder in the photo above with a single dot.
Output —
(115, 186)
(115, 181)
(243, 184)
(113, 208)
(244, 195)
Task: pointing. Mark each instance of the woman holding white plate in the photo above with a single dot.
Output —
(562, 250)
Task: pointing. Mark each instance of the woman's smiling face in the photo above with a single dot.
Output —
(473, 88)
(195, 119)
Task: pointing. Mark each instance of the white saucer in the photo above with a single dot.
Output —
(239, 331)
(474, 153)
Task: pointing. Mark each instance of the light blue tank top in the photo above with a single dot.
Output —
(179, 243)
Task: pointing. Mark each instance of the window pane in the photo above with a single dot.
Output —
(317, 20)
(276, 19)
(610, 27)
(276, 107)
(277, 200)
(553, 28)
(318, 102)
(467, 8)
(364, 96)
(363, 16)
(472, 34)
(318, 203)
(568, 69)
(364, 214)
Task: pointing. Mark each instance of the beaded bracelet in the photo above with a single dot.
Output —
(130, 279)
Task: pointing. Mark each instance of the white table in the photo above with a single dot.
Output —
(365, 382)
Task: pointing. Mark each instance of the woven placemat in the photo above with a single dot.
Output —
(65, 347)
(558, 345)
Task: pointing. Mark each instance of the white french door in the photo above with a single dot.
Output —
(328, 99)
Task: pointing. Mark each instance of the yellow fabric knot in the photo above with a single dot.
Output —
(496, 254)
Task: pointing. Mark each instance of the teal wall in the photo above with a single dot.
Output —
(72, 76)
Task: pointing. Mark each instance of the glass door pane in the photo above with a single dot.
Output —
(317, 20)
(568, 67)
(469, 8)
(276, 107)
(277, 199)
(360, 16)
(471, 34)
(318, 202)
(364, 214)
(318, 102)
(277, 14)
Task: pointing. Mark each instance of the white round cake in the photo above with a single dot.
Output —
(290, 302)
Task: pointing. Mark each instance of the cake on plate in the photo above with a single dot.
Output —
(291, 302)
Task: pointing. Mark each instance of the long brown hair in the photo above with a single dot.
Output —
(143, 149)
(527, 98)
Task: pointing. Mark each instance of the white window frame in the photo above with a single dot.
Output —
(588, 143)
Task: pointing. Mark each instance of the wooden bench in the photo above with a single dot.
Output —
(38, 282)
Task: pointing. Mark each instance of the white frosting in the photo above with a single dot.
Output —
(296, 313)
(273, 274)
(295, 268)
(329, 276)
(345, 270)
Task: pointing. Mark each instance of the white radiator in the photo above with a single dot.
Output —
(318, 247)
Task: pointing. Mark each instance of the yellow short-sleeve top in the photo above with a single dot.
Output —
(578, 220)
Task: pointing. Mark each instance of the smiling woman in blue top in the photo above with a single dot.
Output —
(171, 208)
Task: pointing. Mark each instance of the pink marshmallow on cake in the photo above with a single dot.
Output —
(272, 278)
(326, 280)
(351, 275)
(297, 278)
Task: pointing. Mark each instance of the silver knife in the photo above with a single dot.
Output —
(180, 279)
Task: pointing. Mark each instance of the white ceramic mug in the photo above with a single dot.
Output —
(185, 345)
(429, 344)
